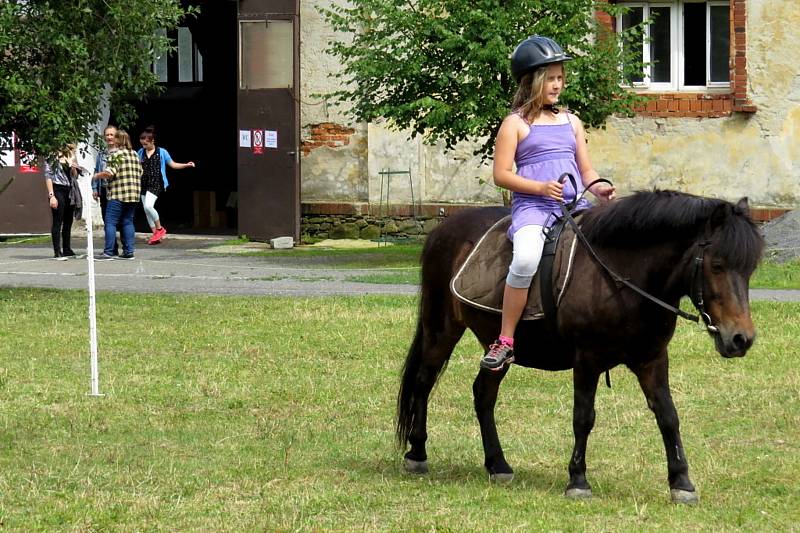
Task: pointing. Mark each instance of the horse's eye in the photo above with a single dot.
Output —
(717, 267)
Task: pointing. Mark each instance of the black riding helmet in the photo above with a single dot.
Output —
(534, 52)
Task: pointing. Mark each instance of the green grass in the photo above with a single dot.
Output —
(30, 239)
(771, 275)
(275, 414)
(387, 257)
(400, 277)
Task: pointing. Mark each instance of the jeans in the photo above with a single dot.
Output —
(103, 192)
(120, 215)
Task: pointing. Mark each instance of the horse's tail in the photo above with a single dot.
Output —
(405, 398)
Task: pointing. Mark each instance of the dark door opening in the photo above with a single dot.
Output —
(195, 120)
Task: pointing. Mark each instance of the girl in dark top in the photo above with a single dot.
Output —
(59, 176)
(154, 179)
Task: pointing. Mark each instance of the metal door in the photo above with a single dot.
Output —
(268, 119)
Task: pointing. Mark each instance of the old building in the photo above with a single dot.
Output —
(244, 99)
(724, 119)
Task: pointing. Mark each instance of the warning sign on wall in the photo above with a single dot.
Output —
(258, 141)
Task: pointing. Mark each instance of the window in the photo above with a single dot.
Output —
(183, 66)
(266, 54)
(686, 44)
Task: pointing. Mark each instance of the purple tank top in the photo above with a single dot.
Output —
(547, 152)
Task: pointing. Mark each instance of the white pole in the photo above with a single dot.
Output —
(95, 373)
(89, 218)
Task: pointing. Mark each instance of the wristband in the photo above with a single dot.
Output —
(50, 194)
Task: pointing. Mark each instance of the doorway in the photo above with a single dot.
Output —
(195, 119)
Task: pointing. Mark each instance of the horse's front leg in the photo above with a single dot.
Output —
(654, 381)
(585, 389)
(484, 391)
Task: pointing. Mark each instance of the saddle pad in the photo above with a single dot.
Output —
(481, 279)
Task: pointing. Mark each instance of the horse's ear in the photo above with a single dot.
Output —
(743, 207)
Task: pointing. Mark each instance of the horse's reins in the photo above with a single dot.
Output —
(696, 289)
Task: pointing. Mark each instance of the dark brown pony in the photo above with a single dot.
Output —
(654, 239)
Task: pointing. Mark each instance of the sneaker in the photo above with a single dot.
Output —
(161, 233)
(157, 235)
(103, 257)
(69, 253)
(127, 257)
(498, 356)
(59, 258)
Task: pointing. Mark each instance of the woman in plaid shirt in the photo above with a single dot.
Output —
(123, 176)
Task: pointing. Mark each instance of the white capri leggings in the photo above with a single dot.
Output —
(149, 202)
(528, 245)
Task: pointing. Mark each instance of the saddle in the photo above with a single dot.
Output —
(481, 279)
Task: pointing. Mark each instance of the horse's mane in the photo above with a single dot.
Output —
(651, 217)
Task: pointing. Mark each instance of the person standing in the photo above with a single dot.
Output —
(99, 187)
(60, 175)
(154, 179)
(536, 143)
(123, 175)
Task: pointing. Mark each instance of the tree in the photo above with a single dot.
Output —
(441, 67)
(59, 60)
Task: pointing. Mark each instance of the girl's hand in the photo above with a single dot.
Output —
(604, 192)
(53, 202)
(190, 164)
(554, 190)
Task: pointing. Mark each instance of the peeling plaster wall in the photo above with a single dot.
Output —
(327, 174)
(755, 155)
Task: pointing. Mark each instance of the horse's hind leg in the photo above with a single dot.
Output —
(654, 381)
(427, 358)
(484, 391)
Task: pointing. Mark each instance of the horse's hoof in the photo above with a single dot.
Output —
(502, 479)
(688, 497)
(415, 467)
(578, 494)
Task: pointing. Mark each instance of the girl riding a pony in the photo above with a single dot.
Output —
(542, 141)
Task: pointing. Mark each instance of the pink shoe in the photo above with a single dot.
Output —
(157, 236)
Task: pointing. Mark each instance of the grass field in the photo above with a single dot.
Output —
(272, 414)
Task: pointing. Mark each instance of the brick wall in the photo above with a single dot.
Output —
(325, 134)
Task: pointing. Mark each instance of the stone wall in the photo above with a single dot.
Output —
(315, 227)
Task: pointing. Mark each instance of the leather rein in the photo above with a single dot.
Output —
(696, 287)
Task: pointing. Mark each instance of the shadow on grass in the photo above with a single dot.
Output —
(444, 471)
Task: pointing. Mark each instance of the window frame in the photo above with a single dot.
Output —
(167, 67)
(677, 50)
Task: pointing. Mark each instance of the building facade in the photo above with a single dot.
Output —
(723, 119)
(244, 98)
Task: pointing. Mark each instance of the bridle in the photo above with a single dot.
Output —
(696, 283)
(696, 287)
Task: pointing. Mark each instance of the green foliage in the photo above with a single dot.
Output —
(58, 60)
(441, 67)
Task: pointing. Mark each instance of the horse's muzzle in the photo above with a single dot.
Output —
(733, 344)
